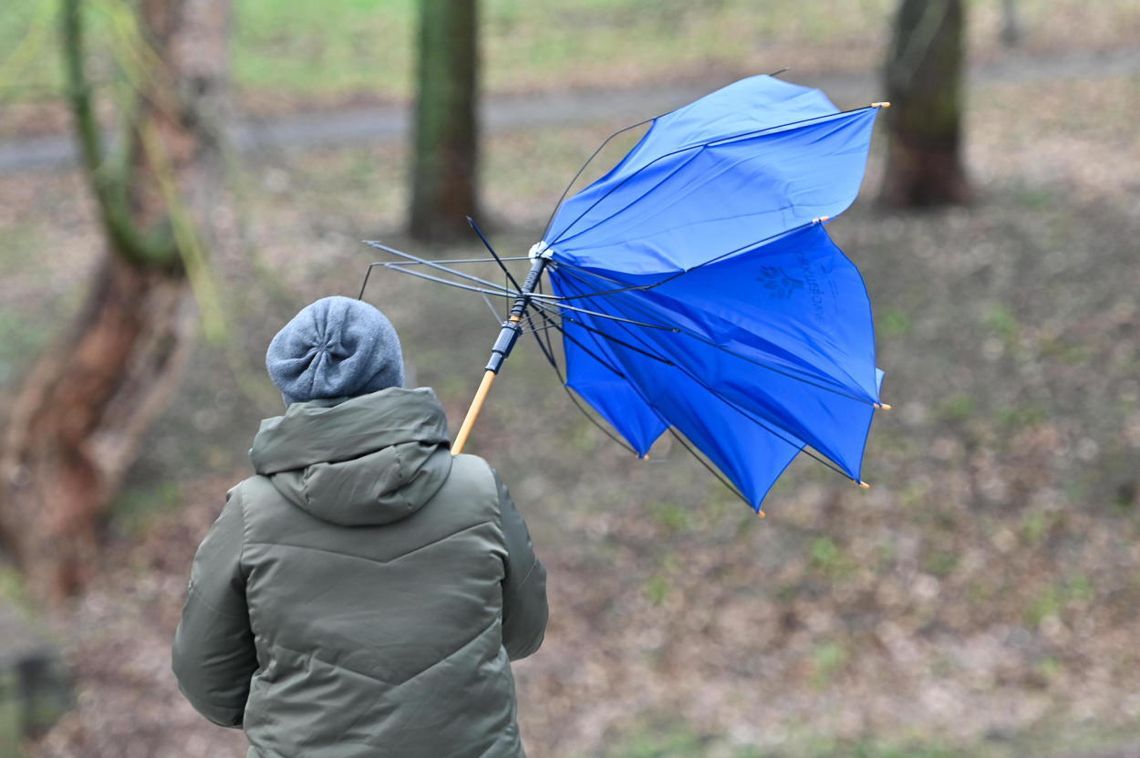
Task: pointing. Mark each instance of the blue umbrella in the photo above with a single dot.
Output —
(698, 292)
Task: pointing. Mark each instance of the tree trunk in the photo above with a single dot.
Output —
(76, 423)
(1010, 23)
(924, 85)
(446, 132)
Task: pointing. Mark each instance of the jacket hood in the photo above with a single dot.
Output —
(362, 461)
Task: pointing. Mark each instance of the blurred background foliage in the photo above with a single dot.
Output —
(364, 49)
(979, 600)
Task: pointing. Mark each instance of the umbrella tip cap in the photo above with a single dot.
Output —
(881, 104)
(864, 486)
(760, 514)
(883, 406)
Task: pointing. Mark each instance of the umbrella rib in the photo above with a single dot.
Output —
(497, 292)
(590, 160)
(698, 146)
(710, 467)
(607, 316)
(454, 261)
(487, 244)
(490, 305)
(402, 267)
(677, 274)
(610, 367)
(769, 367)
(748, 415)
(801, 446)
(720, 477)
(549, 341)
(489, 287)
(566, 237)
(624, 129)
(679, 199)
(433, 264)
(610, 337)
(549, 355)
(755, 361)
(701, 338)
(702, 264)
(605, 363)
(535, 329)
(367, 274)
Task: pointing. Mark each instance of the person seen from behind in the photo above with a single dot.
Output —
(364, 592)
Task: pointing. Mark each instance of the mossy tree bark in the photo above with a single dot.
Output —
(76, 424)
(924, 85)
(445, 171)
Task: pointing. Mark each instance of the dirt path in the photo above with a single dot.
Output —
(390, 123)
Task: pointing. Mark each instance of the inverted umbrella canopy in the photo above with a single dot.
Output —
(773, 351)
(697, 290)
(711, 228)
(738, 166)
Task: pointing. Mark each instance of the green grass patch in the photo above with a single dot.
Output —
(829, 558)
(940, 563)
(13, 589)
(1065, 351)
(351, 47)
(1001, 322)
(1055, 597)
(894, 323)
(674, 518)
(657, 589)
(958, 407)
(1021, 416)
(660, 741)
(827, 661)
(1035, 198)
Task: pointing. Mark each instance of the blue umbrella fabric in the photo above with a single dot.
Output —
(708, 295)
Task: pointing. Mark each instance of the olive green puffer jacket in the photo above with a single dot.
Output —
(363, 593)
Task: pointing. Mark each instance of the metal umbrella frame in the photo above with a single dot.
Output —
(534, 311)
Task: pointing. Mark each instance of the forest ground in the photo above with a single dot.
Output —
(980, 599)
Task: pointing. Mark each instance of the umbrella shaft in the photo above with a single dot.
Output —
(537, 266)
(508, 336)
(512, 327)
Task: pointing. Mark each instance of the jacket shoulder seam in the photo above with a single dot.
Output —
(392, 683)
(379, 561)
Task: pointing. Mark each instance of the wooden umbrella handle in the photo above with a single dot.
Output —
(473, 412)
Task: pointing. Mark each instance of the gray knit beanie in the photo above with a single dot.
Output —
(335, 347)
